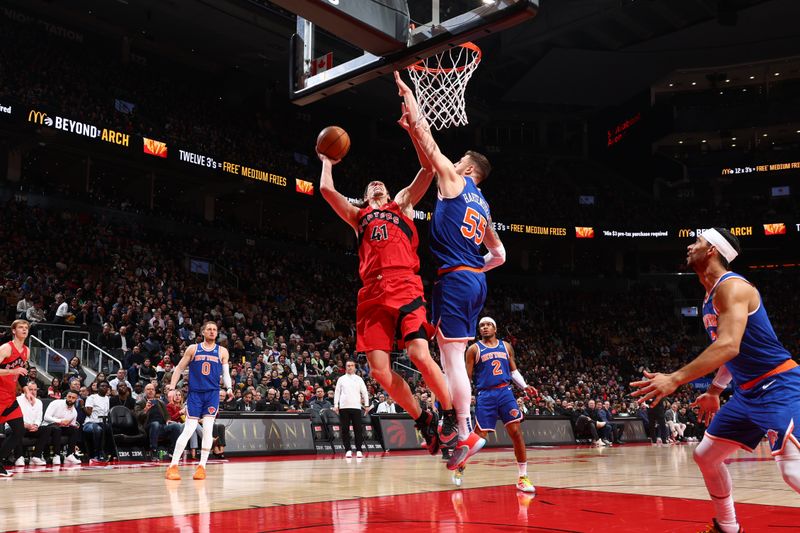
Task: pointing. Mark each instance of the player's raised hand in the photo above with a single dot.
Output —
(655, 387)
(707, 406)
(324, 158)
(402, 89)
(403, 120)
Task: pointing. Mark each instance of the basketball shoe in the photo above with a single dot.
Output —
(200, 473)
(713, 527)
(464, 450)
(428, 425)
(448, 430)
(524, 484)
(173, 474)
(4, 472)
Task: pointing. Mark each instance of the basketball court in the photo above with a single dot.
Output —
(625, 488)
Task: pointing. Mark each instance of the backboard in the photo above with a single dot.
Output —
(388, 34)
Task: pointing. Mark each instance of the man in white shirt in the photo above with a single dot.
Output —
(62, 311)
(94, 427)
(349, 401)
(387, 406)
(61, 418)
(121, 378)
(31, 407)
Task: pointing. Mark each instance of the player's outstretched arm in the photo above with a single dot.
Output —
(407, 198)
(346, 211)
(450, 183)
(182, 365)
(731, 300)
(497, 252)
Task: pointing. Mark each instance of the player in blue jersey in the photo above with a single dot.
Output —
(460, 225)
(491, 362)
(745, 349)
(206, 361)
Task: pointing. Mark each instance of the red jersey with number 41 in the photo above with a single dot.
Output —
(8, 384)
(387, 239)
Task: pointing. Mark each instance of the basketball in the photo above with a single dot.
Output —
(333, 142)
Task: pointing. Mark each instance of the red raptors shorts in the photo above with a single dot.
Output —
(391, 308)
(9, 412)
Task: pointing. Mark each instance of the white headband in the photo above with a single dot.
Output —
(487, 319)
(719, 242)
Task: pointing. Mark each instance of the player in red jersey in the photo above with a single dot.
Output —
(13, 356)
(391, 300)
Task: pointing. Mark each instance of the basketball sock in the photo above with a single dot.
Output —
(180, 445)
(789, 464)
(208, 439)
(710, 455)
(523, 469)
(460, 389)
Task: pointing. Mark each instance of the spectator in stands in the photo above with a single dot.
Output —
(31, 407)
(138, 391)
(119, 379)
(270, 403)
(691, 425)
(36, 314)
(61, 419)
(263, 386)
(300, 403)
(33, 377)
(153, 416)
(247, 404)
(319, 402)
(96, 429)
(676, 428)
(75, 370)
(62, 314)
(147, 371)
(603, 428)
(24, 305)
(287, 402)
(123, 397)
(54, 390)
(387, 406)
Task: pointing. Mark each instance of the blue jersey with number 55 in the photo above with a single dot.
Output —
(458, 227)
(205, 369)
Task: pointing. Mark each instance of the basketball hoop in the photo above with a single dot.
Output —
(440, 82)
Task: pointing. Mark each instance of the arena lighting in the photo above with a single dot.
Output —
(704, 140)
(727, 81)
(764, 135)
(733, 145)
(777, 74)
(671, 84)
(752, 77)
(734, 138)
(681, 142)
(694, 83)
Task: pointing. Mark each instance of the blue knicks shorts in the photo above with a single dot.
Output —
(458, 299)
(491, 403)
(202, 403)
(771, 408)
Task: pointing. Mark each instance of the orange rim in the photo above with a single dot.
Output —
(420, 66)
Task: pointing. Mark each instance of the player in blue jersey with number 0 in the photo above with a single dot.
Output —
(746, 350)
(206, 361)
(460, 225)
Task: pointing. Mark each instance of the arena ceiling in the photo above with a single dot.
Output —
(576, 54)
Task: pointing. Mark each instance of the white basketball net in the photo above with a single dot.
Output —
(440, 83)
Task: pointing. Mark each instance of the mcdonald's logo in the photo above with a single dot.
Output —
(153, 147)
(775, 229)
(304, 187)
(686, 233)
(39, 117)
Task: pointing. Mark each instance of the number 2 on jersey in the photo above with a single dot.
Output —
(497, 368)
(474, 226)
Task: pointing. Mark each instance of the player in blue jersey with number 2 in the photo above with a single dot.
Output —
(206, 361)
(745, 349)
(460, 225)
(490, 362)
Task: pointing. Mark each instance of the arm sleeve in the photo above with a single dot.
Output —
(495, 258)
(518, 380)
(722, 378)
(226, 376)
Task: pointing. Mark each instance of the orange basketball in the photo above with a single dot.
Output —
(333, 142)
